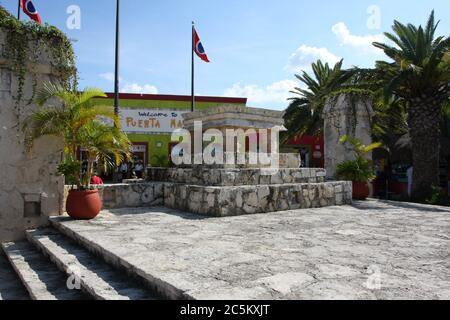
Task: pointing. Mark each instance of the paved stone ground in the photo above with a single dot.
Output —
(10, 286)
(371, 250)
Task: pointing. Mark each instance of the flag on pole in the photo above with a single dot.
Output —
(198, 48)
(30, 10)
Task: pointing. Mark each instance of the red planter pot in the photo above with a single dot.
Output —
(83, 205)
(360, 190)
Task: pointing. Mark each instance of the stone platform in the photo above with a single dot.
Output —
(240, 200)
(227, 192)
(370, 250)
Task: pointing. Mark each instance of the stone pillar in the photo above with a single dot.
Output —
(345, 115)
(30, 190)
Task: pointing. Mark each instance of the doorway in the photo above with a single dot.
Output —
(139, 151)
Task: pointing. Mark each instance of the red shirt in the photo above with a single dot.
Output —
(96, 180)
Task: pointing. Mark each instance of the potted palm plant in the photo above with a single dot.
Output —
(360, 170)
(81, 123)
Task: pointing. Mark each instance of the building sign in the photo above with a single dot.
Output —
(138, 148)
(151, 120)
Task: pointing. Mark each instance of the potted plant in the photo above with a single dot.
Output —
(81, 124)
(360, 170)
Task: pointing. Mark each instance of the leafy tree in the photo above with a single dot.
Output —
(304, 114)
(360, 169)
(79, 122)
(419, 74)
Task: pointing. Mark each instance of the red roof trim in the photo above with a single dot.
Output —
(165, 97)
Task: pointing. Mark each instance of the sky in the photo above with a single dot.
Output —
(255, 46)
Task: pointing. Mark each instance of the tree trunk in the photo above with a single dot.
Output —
(424, 127)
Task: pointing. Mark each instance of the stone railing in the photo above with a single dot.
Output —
(128, 195)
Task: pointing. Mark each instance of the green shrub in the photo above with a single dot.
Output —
(359, 170)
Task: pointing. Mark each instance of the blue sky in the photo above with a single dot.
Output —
(255, 46)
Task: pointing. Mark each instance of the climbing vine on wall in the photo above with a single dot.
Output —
(354, 97)
(26, 43)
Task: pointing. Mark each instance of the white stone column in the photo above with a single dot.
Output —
(30, 190)
(345, 115)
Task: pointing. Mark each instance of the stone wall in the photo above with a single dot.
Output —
(29, 189)
(235, 177)
(342, 117)
(129, 195)
(228, 192)
(239, 200)
(285, 160)
(220, 201)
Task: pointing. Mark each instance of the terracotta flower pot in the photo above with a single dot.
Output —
(83, 205)
(360, 190)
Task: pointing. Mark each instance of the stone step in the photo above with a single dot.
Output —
(96, 277)
(40, 277)
(164, 289)
(11, 288)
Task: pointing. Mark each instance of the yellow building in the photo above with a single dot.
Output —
(150, 119)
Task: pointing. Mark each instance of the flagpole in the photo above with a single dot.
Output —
(192, 70)
(116, 72)
(18, 9)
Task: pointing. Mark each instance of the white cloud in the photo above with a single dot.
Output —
(131, 87)
(108, 76)
(275, 93)
(137, 88)
(345, 37)
(304, 56)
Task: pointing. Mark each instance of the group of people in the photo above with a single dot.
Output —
(127, 170)
(131, 170)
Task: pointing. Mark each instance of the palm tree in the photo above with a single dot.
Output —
(104, 144)
(420, 75)
(304, 114)
(80, 123)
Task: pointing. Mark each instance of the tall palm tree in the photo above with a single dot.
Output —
(76, 119)
(420, 75)
(304, 114)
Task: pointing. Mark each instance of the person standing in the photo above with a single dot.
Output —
(139, 170)
(123, 170)
(300, 158)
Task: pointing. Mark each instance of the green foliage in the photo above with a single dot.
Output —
(418, 74)
(435, 197)
(26, 42)
(161, 160)
(304, 114)
(81, 124)
(70, 169)
(421, 63)
(360, 169)
(103, 143)
(359, 148)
